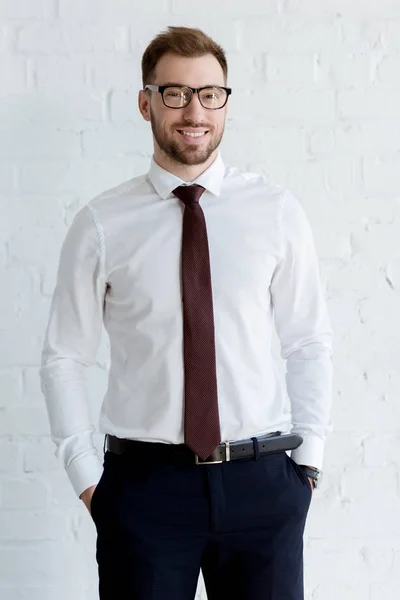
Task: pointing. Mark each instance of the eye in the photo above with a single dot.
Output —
(175, 94)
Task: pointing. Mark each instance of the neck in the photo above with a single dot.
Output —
(184, 172)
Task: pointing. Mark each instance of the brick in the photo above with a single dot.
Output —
(343, 309)
(73, 38)
(381, 174)
(18, 282)
(12, 75)
(392, 274)
(379, 381)
(10, 456)
(385, 300)
(334, 590)
(33, 210)
(355, 276)
(285, 103)
(366, 138)
(246, 71)
(264, 141)
(396, 559)
(23, 493)
(123, 73)
(380, 558)
(51, 107)
(60, 73)
(382, 591)
(20, 9)
(45, 565)
(81, 9)
(341, 521)
(23, 420)
(385, 70)
(31, 384)
(44, 592)
(343, 8)
(341, 174)
(29, 526)
(45, 248)
(103, 9)
(41, 37)
(7, 178)
(86, 178)
(10, 381)
(378, 242)
(39, 456)
(115, 141)
(323, 553)
(3, 39)
(381, 450)
(378, 484)
(291, 35)
(123, 105)
(371, 103)
(390, 35)
(38, 141)
(36, 311)
(291, 69)
(254, 8)
(377, 412)
(342, 450)
(344, 70)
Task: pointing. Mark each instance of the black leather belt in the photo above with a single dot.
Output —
(227, 451)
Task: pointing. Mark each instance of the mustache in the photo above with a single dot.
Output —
(193, 125)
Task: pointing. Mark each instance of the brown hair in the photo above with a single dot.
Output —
(184, 41)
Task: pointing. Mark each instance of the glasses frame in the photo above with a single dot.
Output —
(162, 88)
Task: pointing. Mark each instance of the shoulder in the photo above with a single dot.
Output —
(133, 186)
(260, 183)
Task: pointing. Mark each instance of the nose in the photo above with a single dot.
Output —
(194, 110)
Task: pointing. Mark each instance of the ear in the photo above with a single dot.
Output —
(144, 105)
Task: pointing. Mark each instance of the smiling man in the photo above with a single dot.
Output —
(186, 140)
(190, 267)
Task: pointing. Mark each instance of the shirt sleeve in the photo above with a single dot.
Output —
(71, 342)
(304, 330)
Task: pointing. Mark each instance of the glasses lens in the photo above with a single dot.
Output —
(213, 97)
(176, 97)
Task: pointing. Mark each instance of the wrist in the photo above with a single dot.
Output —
(314, 474)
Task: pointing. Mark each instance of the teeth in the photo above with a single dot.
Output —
(193, 134)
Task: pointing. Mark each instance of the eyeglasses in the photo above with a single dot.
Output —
(179, 96)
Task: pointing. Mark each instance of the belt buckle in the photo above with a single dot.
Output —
(198, 460)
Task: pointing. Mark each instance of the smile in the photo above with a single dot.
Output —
(192, 134)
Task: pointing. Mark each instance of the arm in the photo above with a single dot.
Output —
(72, 338)
(304, 330)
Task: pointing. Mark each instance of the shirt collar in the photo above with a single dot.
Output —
(164, 181)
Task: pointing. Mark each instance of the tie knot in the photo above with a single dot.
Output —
(189, 194)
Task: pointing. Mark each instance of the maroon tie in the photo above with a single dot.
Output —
(202, 430)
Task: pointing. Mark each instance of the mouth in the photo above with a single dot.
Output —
(193, 135)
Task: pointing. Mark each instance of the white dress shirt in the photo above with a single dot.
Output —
(120, 265)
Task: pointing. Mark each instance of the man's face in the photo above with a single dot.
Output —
(169, 125)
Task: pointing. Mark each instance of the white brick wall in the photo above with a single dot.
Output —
(323, 117)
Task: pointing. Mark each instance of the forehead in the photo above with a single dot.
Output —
(194, 72)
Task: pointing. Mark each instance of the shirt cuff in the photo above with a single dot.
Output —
(84, 472)
(310, 453)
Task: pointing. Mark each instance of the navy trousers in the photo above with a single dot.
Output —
(240, 522)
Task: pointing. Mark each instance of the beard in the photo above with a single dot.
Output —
(191, 154)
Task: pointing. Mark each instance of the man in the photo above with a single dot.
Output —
(188, 266)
